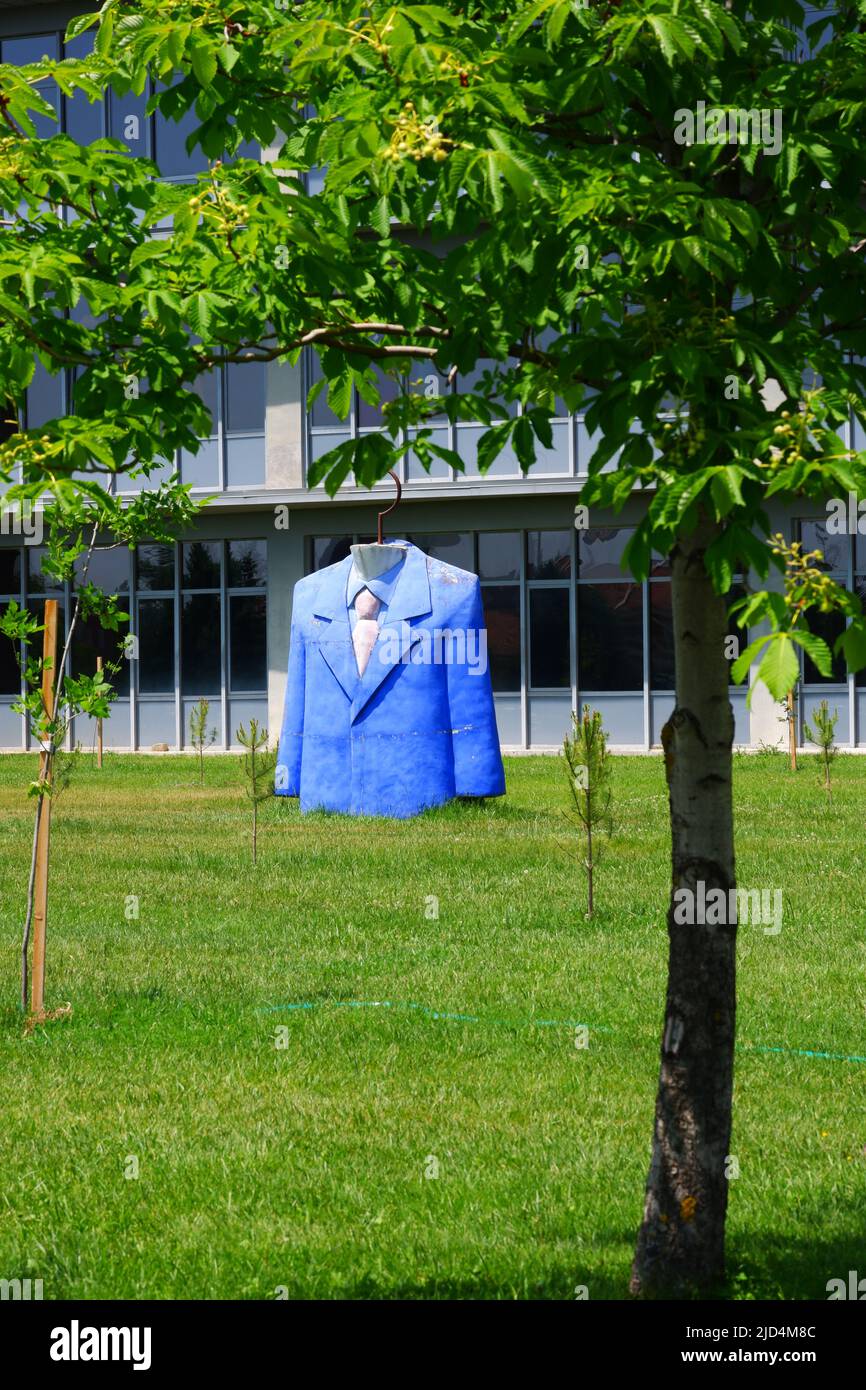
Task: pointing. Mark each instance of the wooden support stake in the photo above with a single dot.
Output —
(40, 894)
(99, 721)
(792, 731)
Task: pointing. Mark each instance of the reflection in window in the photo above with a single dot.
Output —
(548, 554)
(248, 642)
(599, 551)
(200, 645)
(502, 620)
(108, 570)
(91, 640)
(662, 669)
(247, 564)
(155, 566)
(156, 646)
(549, 642)
(815, 536)
(610, 636)
(499, 554)
(328, 550)
(454, 547)
(201, 564)
(39, 580)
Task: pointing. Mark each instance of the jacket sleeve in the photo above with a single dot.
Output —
(478, 767)
(287, 776)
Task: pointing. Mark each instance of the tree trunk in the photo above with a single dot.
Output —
(680, 1247)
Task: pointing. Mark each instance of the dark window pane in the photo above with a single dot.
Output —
(548, 554)
(860, 589)
(156, 646)
(91, 640)
(155, 566)
(860, 553)
(321, 414)
(499, 554)
(37, 581)
(502, 617)
(10, 676)
(245, 409)
(662, 671)
(610, 636)
(829, 626)
(454, 547)
(108, 570)
(201, 565)
(328, 550)
(662, 668)
(205, 387)
(248, 564)
(10, 572)
(170, 145)
(127, 121)
(388, 388)
(30, 50)
(46, 126)
(549, 646)
(200, 644)
(248, 642)
(83, 118)
(814, 536)
(599, 551)
(44, 397)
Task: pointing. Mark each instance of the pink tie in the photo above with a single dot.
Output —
(366, 628)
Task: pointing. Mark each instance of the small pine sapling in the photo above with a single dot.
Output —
(588, 763)
(822, 732)
(258, 765)
(199, 733)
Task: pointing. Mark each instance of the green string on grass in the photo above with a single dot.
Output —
(440, 1015)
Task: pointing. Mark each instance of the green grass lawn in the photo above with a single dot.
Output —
(421, 1044)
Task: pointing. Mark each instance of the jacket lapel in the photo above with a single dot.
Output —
(335, 639)
(411, 599)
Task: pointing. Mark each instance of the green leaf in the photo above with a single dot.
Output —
(780, 668)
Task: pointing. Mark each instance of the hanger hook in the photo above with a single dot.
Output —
(394, 504)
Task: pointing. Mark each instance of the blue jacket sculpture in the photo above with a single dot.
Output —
(418, 727)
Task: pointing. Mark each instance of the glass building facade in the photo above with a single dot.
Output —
(210, 616)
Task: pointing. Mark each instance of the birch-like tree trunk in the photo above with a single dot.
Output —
(680, 1246)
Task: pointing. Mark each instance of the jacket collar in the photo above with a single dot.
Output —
(410, 599)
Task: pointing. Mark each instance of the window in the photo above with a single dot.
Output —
(549, 642)
(610, 636)
(498, 565)
(10, 675)
(454, 547)
(327, 550)
(248, 642)
(499, 554)
(247, 564)
(548, 554)
(155, 646)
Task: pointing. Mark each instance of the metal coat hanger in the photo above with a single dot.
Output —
(394, 504)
